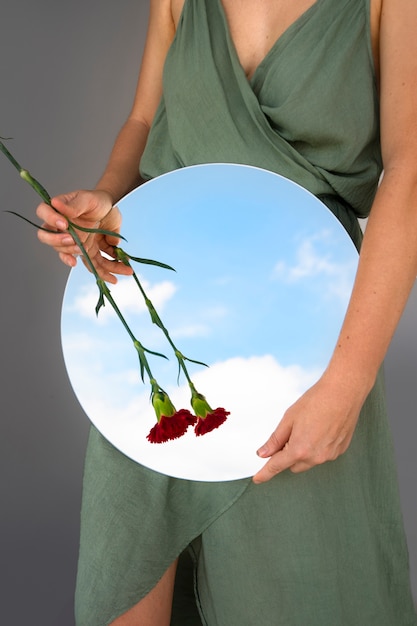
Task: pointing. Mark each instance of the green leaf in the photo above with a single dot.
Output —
(155, 353)
(22, 217)
(142, 368)
(194, 361)
(150, 262)
(100, 302)
(99, 231)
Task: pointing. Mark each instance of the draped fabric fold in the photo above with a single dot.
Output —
(135, 522)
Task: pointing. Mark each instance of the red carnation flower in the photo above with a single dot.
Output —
(208, 419)
(171, 423)
(213, 420)
(171, 427)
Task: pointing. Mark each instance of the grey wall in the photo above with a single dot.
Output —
(67, 76)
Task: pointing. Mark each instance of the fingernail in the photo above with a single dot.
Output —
(67, 240)
(61, 224)
(263, 451)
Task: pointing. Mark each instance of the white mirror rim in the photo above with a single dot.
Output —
(263, 276)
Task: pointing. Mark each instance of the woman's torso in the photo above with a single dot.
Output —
(255, 27)
(299, 99)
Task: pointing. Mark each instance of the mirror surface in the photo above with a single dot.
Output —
(263, 276)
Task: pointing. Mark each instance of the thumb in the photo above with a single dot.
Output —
(276, 441)
(65, 204)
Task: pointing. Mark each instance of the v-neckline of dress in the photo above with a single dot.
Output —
(277, 43)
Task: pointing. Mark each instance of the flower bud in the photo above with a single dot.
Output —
(162, 404)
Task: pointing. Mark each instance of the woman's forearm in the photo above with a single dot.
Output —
(385, 277)
(320, 425)
(122, 171)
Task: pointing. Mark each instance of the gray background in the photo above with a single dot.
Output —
(67, 74)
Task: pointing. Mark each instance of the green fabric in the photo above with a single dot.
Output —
(323, 548)
(134, 524)
(310, 111)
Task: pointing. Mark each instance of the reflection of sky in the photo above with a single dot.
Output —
(262, 279)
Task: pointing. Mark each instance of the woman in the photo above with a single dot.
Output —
(324, 93)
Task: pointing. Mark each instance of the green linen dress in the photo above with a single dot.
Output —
(321, 548)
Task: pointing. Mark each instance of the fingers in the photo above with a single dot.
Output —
(292, 457)
(316, 429)
(295, 448)
(277, 448)
(60, 241)
(277, 440)
(73, 204)
(56, 214)
(90, 206)
(299, 455)
(88, 209)
(51, 218)
(287, 458)
(108, 269)
(65, 201)
(68, 259)
(279, 462)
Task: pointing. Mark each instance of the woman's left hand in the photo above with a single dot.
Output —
(317, 428)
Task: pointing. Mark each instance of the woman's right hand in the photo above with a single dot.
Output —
(90, 209)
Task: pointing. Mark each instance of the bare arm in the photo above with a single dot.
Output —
(93, 208)
(122, 171)
(320, 425)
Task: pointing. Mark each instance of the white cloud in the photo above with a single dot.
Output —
(313, 261)
(127, 297)
(256, 391)
(256, 384)
(202, 323)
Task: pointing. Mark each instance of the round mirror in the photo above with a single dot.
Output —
(263, 274)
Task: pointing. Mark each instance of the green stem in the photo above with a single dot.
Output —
(155, 317)
(72, 230)
(10, 157)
